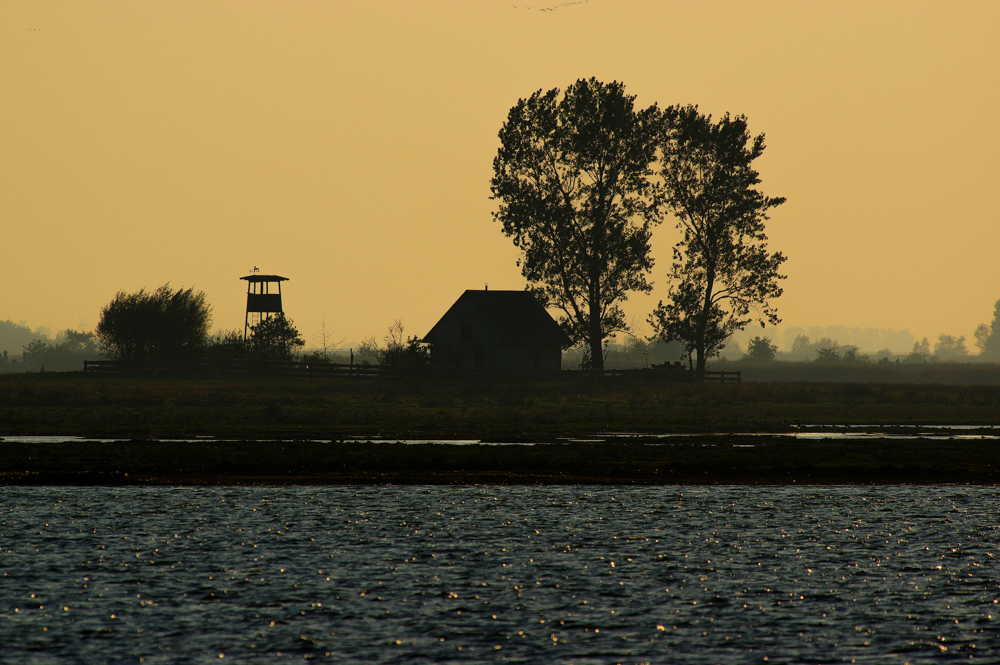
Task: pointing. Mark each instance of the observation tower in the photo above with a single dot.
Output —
(263, 299)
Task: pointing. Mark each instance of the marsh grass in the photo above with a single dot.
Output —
(338, 408)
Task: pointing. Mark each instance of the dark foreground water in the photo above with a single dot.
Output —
(498, 574)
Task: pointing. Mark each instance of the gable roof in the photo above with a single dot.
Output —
(517, 317)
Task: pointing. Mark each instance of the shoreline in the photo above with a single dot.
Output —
(696, 461)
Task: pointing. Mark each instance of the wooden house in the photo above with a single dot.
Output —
(497, 331)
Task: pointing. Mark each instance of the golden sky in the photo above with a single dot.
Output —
(349, 147)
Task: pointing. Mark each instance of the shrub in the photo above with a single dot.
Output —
(162, 326)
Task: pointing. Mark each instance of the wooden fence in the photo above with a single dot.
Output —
(322, 369)
(269, 367)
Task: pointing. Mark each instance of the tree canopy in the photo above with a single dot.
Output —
(576, 187)
(159, 326)
(722, 276)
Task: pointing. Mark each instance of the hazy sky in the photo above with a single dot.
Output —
(349, 147)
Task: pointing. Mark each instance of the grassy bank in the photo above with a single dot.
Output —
(698, 461)
(265, 430)
(339, 408)
(943, 373)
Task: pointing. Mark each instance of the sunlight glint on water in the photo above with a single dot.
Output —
(499, 574)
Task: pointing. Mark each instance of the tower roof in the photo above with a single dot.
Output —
(264, 278)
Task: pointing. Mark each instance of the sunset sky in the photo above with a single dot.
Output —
(349, 147)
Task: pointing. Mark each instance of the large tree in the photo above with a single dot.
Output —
(159, 326)
(574, 178)
(722, 276)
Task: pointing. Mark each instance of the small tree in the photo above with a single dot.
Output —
(723, 276)
(162, 326)
(761, 349)
(274, 338)
(327, 347)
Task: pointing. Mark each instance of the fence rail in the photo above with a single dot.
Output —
(324, 369)
(226, 366)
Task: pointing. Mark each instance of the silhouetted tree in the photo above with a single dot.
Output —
(761, 349)
(827, 354)
(988, 336)
(950, 348)
(274, 338)
(921, 351)
(722, 276)
(852, 354)
(162, 326)
(574, 178)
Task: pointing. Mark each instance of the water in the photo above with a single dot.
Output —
(803, 432)
(497, 574)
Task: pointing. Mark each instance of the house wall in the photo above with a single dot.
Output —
(467, 341)
(531, 358)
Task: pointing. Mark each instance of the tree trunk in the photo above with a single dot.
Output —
(595, 337)
(596, 332)
(700, 355)
(706, 309)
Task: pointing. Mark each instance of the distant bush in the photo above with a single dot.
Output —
(761, 349)
(398, 350)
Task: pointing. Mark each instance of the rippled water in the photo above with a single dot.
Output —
(498, 574)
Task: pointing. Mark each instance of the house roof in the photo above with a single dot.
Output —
(517, 317)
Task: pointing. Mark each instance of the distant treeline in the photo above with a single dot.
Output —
(868, 340)
(14, 336)
(947, 349)
(40, 354)
(864, 345)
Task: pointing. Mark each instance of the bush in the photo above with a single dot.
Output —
(162, 326)
(227, 344)
(398, 350)
(274, 338)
